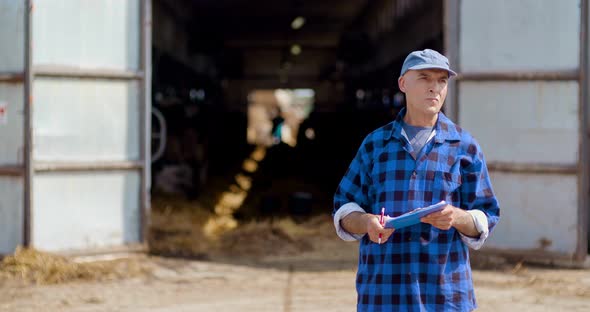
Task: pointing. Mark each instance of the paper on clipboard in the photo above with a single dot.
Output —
(413, 217)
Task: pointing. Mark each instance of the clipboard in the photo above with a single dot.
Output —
(413, 217)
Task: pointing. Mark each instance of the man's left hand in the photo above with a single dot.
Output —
(447, 218)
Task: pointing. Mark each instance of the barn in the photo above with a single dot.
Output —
(104, 103)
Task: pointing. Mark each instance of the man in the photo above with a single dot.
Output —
(419, 159)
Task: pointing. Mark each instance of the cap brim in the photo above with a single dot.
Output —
(428, 66)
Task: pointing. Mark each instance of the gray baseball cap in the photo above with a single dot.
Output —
(426, 59)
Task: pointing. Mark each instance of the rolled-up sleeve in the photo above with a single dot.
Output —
(478, 198)
(481, 224)
(352, 192)
(340, 214)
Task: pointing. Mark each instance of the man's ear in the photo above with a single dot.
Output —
(401, 82)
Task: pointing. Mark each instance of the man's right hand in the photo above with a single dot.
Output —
(374, 228)
(365, 223)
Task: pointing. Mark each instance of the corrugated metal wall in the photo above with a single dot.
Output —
(519, 95)
(85, 183)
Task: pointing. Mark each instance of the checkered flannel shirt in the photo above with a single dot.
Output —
(419, 268)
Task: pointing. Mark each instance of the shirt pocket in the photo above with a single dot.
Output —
(448, 185)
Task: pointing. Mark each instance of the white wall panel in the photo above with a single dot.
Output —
(85, 210)
(522, 122)
(86, 120)
(523, 35)
(88, 34)
(12, 35)
(11, 213)
(536, 210)
(12, 125)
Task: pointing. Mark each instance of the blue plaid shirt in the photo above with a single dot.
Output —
(419, 268)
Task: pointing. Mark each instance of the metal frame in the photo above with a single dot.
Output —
(146, 86)
(452, 29)
(15, 170)
(538, 256)
(25, 169)
(74, 72)
(518, 76)
(584, 157)
(12, 77)
(28, 126)
(89, 166)
(160, 136)
(541, 168)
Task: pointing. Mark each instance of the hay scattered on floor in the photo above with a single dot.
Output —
(43, 268)
(177, 228)
(178, 234)
(279, 238)
(198, 229)
(262, 239)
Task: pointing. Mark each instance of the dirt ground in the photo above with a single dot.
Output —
(203, 259)
(318, 279)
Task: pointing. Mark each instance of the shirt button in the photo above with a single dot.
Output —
(409, 239)
(414, 174)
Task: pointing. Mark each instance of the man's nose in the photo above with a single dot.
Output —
(435, 87)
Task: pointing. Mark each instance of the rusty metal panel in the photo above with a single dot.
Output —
(11, 123)
(531, 220)
(11, 213)
(524, 121)
(12, 36)
(86, 120)
(87, 34)
(524, 35)
(84, 210)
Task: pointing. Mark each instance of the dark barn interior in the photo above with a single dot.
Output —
(209, 56)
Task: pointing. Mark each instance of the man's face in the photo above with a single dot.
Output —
(425, 89)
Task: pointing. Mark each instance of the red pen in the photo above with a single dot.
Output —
(381, 220)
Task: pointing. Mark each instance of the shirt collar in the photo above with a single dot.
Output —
(444, 129)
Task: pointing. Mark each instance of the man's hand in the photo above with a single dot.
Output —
(374, 228)
(366, 223)
(452, 217)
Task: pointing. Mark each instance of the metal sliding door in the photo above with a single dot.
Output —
(75, 89)
(89, 123)
(519, 93)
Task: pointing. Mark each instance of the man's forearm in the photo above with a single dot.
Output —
(355, 222)
(464, 224)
